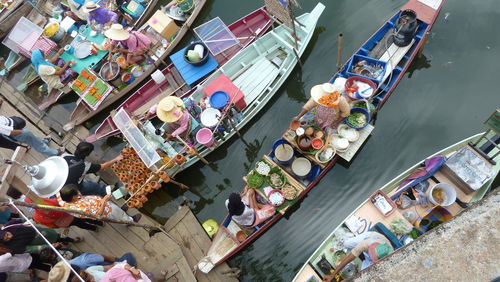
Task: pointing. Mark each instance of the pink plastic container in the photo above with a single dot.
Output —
(205, 137)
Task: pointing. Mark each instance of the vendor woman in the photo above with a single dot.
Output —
(76, 10)
(99, 16)
(133, 44)
(330, 107)
(54, 76)
(172, 111)
(246, 210)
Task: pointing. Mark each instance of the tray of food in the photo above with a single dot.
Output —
(83, 81)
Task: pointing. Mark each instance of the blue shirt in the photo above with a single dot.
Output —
(86, 260)
(4, 216)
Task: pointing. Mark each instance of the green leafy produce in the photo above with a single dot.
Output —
(255, 180)
(399, 227)
(357, 119)
(361, 104)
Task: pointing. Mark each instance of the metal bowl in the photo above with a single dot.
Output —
(109, 71)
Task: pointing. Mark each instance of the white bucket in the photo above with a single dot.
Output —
(158, 76)
(449, 194)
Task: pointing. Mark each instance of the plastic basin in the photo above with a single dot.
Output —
(219, 99)
(205, 137)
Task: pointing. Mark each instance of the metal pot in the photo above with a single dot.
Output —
(109, 71)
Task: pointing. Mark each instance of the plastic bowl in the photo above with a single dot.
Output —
(203, 60)
(317, 143)
(219, 99)
(449, 193)
(350, 83)
(362, 111)
(273, 192)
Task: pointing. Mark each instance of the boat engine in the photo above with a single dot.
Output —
(405, 28)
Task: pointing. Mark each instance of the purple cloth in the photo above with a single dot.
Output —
(102, 16)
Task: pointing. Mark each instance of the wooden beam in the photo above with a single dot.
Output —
(10, 171)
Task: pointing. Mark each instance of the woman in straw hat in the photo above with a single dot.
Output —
(134, 44)
(99, 15)
(330, 106)
(172, 110)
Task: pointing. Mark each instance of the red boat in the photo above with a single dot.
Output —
(228, 241)
(246, 30)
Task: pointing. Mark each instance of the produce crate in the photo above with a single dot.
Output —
(83, 81)
(370, 61)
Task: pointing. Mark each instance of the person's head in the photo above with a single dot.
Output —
(70, 193)
(6, 236)
(47, 255)
(378, 251)
(19, 123)
(117, 32)
(83, 150)
(90, 7)
(235, 205)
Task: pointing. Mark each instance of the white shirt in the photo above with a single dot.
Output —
(6, 125)
(247, 218)
(49, 76)
(16, 263)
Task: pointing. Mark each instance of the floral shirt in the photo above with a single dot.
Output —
(90, 204)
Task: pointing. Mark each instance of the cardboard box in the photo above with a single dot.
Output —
(164, 25)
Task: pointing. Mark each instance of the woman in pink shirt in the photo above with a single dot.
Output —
(172, 111)
(134, 43)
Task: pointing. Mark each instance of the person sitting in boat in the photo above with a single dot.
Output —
(248, 211)
(99, 17)
(133, 44)
(52, 71)
(372, 245)
(330, 107)
(171, 110)
(76, 11)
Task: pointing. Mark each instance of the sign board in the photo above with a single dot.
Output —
(134, 136)
(493, 122)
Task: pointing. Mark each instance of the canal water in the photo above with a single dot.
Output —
(444, 97)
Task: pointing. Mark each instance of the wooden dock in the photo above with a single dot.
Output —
(171, 256)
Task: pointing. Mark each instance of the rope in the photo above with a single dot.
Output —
(45, 239)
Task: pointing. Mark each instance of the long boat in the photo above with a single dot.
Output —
(247, 29)
(9, 16)
(484, 157)
(225, 243)
(82, 112)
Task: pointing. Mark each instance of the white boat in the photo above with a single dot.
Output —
(258, 72)
(485, 153)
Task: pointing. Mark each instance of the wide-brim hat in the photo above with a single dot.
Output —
(321, 90)
(170, 109)
(378, 251)
(117, 32)
(60, 272)
(90, 6)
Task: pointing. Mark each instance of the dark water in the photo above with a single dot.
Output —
(445, 97)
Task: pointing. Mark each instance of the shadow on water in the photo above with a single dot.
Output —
(419, 63)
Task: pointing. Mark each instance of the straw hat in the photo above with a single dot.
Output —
(60, 272)
(321, 90)
(170, 109)
(117, 32)
(90, 6)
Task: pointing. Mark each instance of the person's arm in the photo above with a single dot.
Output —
(63, 69)
(114, 17)
(111, 162)
(134, 271)
(184, 125)
(344, 108)
(15, 132)
(345, 261)
(103, 204)
(55, 57)
(306, 108)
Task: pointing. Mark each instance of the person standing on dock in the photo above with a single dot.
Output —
(329, 106)
(14, 129)
(78, 168)
(73, 199)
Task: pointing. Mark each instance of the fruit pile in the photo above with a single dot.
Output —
(132, 171)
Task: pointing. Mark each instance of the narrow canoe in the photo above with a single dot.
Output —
(225, 243)
(82, 113)
(248, 29)
(367, 211)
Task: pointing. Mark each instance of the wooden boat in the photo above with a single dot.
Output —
(82, 113)
(225, 243)
(370, 215)
(12, 14)
(13, 60)
(248, 29)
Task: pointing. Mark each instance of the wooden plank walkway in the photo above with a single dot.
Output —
(171, 256)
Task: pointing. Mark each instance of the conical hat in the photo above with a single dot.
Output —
(116, 32)
(170, 109)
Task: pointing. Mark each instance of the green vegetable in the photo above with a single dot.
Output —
(399, 227)
(357, 119)
(255, 180)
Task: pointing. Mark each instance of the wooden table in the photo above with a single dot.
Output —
(90, 61)
(191, 73)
